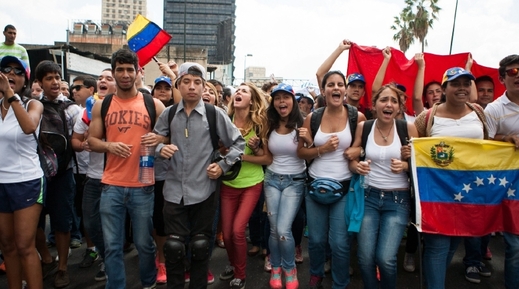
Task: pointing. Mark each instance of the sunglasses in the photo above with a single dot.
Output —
(512, 72)
(77, 87)
(16, 70)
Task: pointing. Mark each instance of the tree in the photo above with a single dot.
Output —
(417, 17)
(404, 36)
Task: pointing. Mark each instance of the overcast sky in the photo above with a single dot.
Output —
(291, 38)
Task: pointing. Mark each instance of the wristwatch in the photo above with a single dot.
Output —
(362, 152)
(14, 98)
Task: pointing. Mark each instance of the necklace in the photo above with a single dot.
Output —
(382, 135)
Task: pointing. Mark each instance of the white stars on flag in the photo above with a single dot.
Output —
(479, 182)
(494, 184)
(503, 182)
(458, 197)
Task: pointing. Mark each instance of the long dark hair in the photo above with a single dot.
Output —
(295, 118)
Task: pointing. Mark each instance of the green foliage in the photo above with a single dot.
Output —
(414, 22)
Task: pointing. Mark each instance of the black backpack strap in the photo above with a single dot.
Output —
(150, 107)
(353, 116)
(315, 121)
(368, 125)
(211, 119)
(104, 109)
(171, 113)
(401, 129)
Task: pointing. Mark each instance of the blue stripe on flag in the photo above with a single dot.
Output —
(144, 37)
(467, 187)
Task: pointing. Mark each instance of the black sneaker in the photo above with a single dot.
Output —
(472, 275)
(484, 271)
(47, 268)
(89, 258)
(101, 275)
(237, 283)
(228, 273)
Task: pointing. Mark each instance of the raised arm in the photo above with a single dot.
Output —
(379, 78)
(473, 90)
(418, 84)
(328, 63)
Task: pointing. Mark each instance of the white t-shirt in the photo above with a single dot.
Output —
(502, 117)
(96, 160)
(284, 152)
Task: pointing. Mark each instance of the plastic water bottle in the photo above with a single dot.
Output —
(147, 159)
(365, 181)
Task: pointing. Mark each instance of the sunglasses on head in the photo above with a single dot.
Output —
(512, 72)
(16, 70)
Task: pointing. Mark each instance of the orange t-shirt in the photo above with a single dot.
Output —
(126, 121)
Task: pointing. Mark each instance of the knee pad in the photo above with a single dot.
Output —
(174, 250)
(199, 248)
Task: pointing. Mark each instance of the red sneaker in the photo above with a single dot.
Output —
(187, 277)
(488, 254)
(275, 278)
(210, 277)
(161, 274)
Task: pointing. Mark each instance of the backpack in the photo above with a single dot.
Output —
(317, 116)
(211, 119)
(54, 133)
(148, 102)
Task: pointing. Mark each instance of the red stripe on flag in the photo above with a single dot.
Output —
(462, 219)
(511, 216)
(146, 53)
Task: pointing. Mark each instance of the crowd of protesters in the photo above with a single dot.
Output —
(225, 156)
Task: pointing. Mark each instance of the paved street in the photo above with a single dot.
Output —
(258, 279)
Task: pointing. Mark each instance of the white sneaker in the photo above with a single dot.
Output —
(409, 264)
(328, 266)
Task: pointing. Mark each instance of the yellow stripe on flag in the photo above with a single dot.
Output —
(137, 25)
(446, 153)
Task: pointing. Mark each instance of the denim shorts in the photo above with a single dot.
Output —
(17, 196)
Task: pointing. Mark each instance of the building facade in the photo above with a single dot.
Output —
(122, 11)
(207, 24)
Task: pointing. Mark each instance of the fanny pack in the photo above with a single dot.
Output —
(327, 191)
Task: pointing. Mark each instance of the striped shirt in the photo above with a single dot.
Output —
(14, 50)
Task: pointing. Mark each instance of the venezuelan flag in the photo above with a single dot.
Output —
(146, 38)
(465, 187)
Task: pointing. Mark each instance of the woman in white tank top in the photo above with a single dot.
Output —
(387, 199)
(22, 182)
(454, 117)
(329, 151)
(284, 184)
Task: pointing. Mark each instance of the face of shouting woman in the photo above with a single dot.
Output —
(334, 90)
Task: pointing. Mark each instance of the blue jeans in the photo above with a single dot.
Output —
(91, 216)
(475, 249)
(386, 214)
(138, 202)
(437, 255)
(327, 224)
(283, 194)
(511, 260)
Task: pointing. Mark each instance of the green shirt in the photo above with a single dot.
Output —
(14, 50)
(250, 174)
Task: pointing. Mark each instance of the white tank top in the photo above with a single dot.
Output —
(284, 152)
(469, 126)
(332, 165)
(380, 175)
(20, 160)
